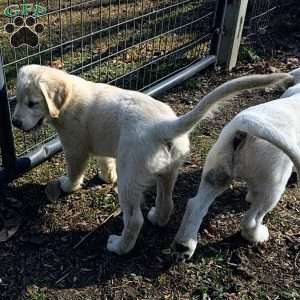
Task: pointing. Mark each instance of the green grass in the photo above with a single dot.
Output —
(248, 54)
(34, 293)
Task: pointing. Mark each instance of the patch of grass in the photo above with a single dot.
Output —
(248, 54)
(200, 293)
(105, 201)
(34, 293)
(290, 294)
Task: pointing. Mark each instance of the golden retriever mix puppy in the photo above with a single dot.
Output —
(145, 137)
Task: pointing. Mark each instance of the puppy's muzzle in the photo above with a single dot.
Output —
(17, 123)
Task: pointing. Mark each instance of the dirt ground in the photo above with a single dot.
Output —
(43, 260)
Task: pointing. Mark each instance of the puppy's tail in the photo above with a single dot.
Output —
(173, 128)
(268, 132)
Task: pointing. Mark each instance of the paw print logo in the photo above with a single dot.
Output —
(24, 31)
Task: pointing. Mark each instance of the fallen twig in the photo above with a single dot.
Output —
(63, 277)
(114, 214)
(296, 260)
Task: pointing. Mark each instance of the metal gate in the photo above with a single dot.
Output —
(145, 45)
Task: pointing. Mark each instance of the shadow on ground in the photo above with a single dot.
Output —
(47, 257)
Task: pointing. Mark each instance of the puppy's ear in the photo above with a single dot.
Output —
(57, 94)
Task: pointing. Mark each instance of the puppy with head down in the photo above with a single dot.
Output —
(260, 145)
(144, 136)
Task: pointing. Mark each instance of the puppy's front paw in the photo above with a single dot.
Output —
(53, 190)
(184, 250)
(114, 244)
(67, 186)
(258, 234)
(154, 219)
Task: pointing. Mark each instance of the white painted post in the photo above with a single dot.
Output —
(234, 18)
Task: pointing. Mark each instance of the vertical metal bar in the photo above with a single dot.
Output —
(131, 43)
(218, 27)
(190, 31)
(61, 31)
(91, 16)
(166, 41)
(147, 71)
(82, 34)
(100, 38)
(178, 33)
(154, 44)
(130, 53)
(173, 34)
(108, 43)
(141, 48)
(118, 28)
(8, 151)
(124, 83)
(72, 26)
(49, 33)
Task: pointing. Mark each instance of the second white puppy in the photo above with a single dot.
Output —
(260, 145)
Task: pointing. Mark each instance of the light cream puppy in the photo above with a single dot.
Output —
(260, 145)
(144, 135)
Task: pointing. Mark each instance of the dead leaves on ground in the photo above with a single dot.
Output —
(10, 218)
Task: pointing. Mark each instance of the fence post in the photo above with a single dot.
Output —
(7, 146)
(234, 17)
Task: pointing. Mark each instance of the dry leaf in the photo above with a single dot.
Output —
(10, 227)
(53, 190)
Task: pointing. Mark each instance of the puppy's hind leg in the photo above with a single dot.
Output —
(212, 185)
(131, 184)
(130, 198)
(107, 169)
(160, 214)
(262, 202)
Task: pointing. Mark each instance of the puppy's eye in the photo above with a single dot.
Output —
(31, 104)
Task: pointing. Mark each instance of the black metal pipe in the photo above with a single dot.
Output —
(7, 145)
(32, 159)
(181, 76)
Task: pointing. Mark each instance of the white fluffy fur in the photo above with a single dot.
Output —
(143, 135)
(268, 138)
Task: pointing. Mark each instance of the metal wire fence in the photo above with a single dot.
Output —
(130, 43)
(258, 17)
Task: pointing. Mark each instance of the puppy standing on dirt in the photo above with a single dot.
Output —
(144, 135)
(260, 145)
